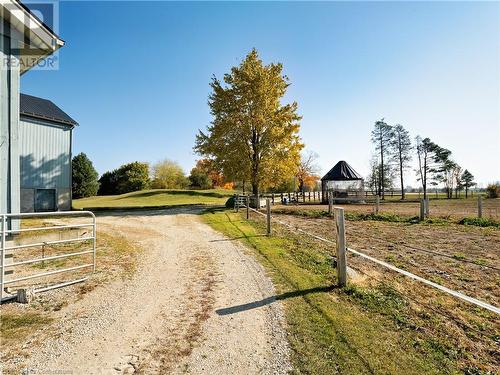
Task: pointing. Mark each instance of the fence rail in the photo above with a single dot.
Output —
(473, 208)
(341, 249)
(10, 234)
(317, 196)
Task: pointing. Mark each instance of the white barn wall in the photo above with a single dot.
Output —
(45, 161)
(9, 124)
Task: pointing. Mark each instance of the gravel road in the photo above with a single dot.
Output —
(199, 303)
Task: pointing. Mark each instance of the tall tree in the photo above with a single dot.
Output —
(308, 170)
(446, 173)
(401, 152)
(168, 174)
(132, 177)
(444, 169)
(457, 181)
(128, 178)
(374, 180)
(382, 136)
(208, 167)
(467, 181)
(432, 162)
(252, 137)
(107, 183)
(199, 179)
(84, 182)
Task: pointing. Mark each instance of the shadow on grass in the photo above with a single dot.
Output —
(192, 193)
(189, 209)
(269, 300)
(238, 238)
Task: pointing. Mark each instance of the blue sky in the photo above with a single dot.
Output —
(136, 75)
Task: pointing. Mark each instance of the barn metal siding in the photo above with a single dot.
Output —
(45, 154)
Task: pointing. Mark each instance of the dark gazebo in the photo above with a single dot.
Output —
(342, 181)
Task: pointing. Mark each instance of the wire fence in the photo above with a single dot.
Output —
(338, 213)
(369, 203)
(321, 196)
(429, 251)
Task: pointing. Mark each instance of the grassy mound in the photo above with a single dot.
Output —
(156, 198)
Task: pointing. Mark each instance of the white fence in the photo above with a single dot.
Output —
(341, 250)
(33, 241)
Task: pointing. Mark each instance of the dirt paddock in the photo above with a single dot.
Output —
(460, 257)
(439, 208)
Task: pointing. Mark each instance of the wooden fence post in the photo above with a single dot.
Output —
(377, 204)
(268, 216)
(427, 207)
(422, 210)
(479, 206)
(272, 197)
(248, 206)
(341, 247)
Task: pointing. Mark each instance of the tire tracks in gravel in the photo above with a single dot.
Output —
(164, 319)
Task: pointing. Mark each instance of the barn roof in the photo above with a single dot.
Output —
(44, 109)
(342, 172)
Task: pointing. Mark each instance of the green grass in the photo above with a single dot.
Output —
(480, 222)
(155, 198)
(354, 330)
(13, 327)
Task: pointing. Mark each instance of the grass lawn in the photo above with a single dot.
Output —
(155, 198)
(360, 329)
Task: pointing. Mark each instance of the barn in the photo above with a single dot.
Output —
(342, 181)
(45, 134)
(35, 135)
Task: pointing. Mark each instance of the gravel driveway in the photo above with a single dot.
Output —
(199, 303)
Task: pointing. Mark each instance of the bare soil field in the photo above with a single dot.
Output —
(439, 208)
(463, 258)
(168, 308)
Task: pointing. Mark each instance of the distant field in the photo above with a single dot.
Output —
(439, 208)
(155, 198)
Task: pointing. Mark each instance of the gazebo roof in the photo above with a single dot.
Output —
(342, 172)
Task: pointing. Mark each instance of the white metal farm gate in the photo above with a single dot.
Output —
(8, 234)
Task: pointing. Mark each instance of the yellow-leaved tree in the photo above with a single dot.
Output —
(253, 136)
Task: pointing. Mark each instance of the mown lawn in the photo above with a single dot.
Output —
(361, 329)
(155, 198)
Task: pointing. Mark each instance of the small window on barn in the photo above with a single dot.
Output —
(45, 200)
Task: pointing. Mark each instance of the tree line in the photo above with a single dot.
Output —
(136, 176)
(394, 150)
(253, 139)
